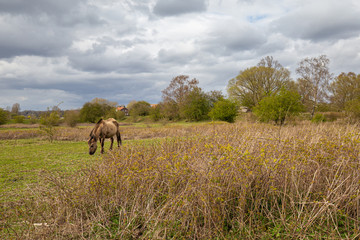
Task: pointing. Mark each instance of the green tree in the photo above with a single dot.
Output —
(170, 110)
(213, 97)
(113, 113)
(352, 108)
(278, 107)
(224, 110)
(92, 111)
(314, 81)
(255, 83)
(195, 105)
(130, 104)
(104, 102)
(4, 116)
(156, 113)
(345, 88)
(140, 108)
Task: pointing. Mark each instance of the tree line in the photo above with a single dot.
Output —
(272, 94)
(183, 99)
(266, 89)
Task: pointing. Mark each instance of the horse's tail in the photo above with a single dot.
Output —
(118, 136)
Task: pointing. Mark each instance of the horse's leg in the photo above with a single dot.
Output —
(112, 142)
(102, 140)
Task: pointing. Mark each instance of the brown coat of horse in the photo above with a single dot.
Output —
(104, 129)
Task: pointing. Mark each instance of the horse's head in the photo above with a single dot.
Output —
(92, 145)
(92, 142)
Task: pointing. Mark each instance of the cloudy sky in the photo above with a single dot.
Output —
(71, 51)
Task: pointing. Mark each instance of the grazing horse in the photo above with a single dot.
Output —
(104, 129)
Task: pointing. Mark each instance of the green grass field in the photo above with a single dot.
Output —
(22, 160)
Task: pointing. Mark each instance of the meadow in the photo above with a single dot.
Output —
(183, 181)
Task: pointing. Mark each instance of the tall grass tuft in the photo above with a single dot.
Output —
(230, 181)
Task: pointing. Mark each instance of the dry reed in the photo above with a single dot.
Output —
(231, 181)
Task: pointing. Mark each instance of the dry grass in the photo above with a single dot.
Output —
(230, 181)
(128, 132)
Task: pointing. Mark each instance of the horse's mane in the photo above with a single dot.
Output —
(92, 133)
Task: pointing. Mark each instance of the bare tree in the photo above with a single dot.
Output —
(314, 81)
(175, 94)
(15, 108)
(345, 88)
(178, 88)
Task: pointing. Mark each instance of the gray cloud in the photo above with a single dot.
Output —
(63, 13)
(35, 6)
(104, 61)
(229, 37)
(38, 95)
(177, 7)
(41, 27)
(321, 21)
(22, 37)
(74, 51)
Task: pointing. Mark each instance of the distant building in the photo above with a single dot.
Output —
(153, 105)
(123, 109)
(244, 109)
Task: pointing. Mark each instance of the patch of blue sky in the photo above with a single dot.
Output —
(256, 18)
